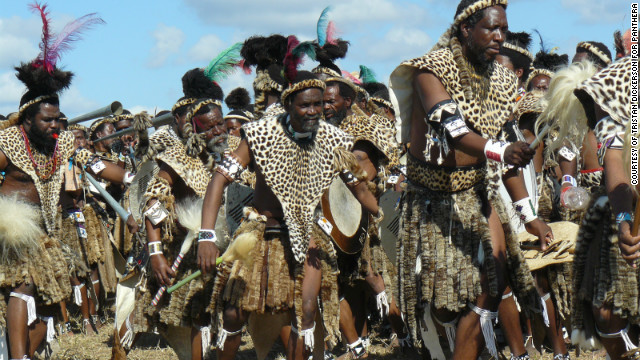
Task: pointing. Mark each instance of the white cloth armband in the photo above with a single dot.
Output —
(566, 153)
(128, 178)
(526, 211)
(156, 213)
(155, 248)
(494, 150)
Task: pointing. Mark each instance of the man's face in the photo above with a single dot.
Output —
(233, 127)
(108, 129)
(305, 110)
(43, 129)
(80, 139)
(129, 139)
(211, 124)
(540, 82)
(335, 106)
(579, 57)
(483, 41)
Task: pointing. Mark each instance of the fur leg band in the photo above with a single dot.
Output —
(382, 303)
(486, 319)
(623, 334)
(307, 334)
(450, 330)
(77, 294)
(51, 330)
(222, 337)
(205, 333)
(545, 312)
(31, 305)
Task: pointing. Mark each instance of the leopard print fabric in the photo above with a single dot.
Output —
(373, 131)
(530, 103)
(297, 173)
(171, 151)
(610, 89)
(484, 117)
(13, 146)
(438, 178)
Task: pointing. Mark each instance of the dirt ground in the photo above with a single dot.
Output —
(81, 347)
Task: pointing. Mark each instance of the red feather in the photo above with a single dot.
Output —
(332, 33)
(291, 62)
(46, 36)
(246, 68)
(353, 79)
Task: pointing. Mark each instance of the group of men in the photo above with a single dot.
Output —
(232, 223)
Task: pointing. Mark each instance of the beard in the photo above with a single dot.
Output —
(337, 119)
(41, 141)
(218, 148)
(482, 65)
(117, 146)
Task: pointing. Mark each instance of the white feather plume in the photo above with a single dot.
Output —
(20, 229)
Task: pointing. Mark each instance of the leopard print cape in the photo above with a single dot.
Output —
(168, 148)
(374, 131)
(13, 146)
(484, 117)
(609, 89)
(297, 173)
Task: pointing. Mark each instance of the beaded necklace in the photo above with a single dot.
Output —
(49, 167)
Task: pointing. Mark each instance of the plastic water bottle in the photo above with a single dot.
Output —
(575, 198)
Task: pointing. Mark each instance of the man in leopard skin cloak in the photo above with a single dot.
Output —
(34, 275)
(453, 103)
(296, 156)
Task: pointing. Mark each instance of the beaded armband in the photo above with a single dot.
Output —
(494, 150)
(155, 248)
(230, 167)
(207, 235)
(526, 211)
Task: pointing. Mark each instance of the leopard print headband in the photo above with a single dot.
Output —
(519, 49)
(595, 51)
(474, 8)
(181, 103)
(305, 84)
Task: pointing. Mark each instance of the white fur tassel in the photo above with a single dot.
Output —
(545, 312)
(20, 229)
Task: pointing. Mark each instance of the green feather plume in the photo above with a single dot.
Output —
(224, 64)
(305, 48)
(367, 75)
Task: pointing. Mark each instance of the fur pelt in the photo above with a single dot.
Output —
(564, 111)
(19, 228)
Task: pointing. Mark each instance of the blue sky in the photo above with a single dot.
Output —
(146, 46)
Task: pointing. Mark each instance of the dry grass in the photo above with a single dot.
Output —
(81, 347)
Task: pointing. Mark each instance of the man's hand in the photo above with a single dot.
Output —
(629, 245)
(518, 154)
(161, 270)
(207, 254)
(540, 229)
(132, 225)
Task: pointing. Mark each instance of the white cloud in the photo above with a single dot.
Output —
(18, 40)
(397, 43)
(74, 103)
(206, 48)
(169, 40)
(597, 11)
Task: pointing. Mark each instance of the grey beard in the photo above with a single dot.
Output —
(216, 148)
(337, 120)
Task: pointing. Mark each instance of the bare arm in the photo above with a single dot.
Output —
(159, 264)
(431, 92)
(112, 173)
(514, 183)
(365, 197)
(621, 198)
(4, 162)
(208, 251)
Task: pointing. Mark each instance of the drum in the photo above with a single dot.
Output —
(347, 220)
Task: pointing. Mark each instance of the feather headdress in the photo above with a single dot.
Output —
(225, 63)
(367, 75)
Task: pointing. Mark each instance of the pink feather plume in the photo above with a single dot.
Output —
(46, 34)
(70, 33)
(52, 48)
(246, 68)
(291, 62)
(332, 33)
(353, 79)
